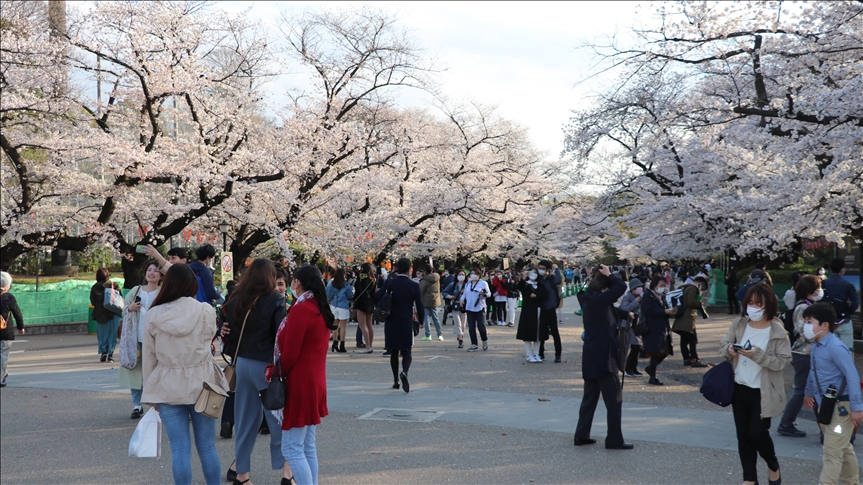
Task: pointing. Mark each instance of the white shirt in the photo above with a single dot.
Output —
(472, 297)
(748, 372)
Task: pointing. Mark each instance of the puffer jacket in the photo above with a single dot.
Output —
(430, 290)
(773, 360)
(176, 358)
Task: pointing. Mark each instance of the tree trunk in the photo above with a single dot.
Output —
(133, 270)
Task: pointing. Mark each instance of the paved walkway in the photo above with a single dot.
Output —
(659, 424)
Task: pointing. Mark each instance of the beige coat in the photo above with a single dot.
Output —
(176, 357)
(773, 360)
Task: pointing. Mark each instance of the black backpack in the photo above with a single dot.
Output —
(788, 322)
(385, 305)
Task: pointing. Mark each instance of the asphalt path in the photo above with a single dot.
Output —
(484, 417)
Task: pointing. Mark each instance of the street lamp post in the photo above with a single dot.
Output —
(224, 227)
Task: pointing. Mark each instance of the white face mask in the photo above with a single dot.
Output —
(755, 314)
(818, 295)
(638, 291)
(809, 331)
(531, 275)
(540, 271)
(821, 272)
(474, 277)
(661, 290)
(461, 277)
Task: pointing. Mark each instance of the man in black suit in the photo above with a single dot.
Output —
(406, 304)
(600, 362)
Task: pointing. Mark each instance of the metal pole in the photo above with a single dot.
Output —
(224, 242)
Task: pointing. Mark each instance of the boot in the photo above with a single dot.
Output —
(335, 345)
(341, 348)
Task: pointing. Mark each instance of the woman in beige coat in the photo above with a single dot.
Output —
(176, 362)
(758, 347)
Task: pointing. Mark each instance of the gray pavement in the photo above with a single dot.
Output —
(497, 420)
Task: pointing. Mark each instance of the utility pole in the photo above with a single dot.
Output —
(57, 24)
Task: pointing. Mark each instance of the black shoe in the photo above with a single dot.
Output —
(287, 481)
(137, 413)
(698, 363)
(405, 384)
(335, 346)
(687, 363)
(557, 359)
(778, 481)
(226, 432)
(232, 474)
(2, 384)
(655, 381)
(110, 357)
(790, 431)
(460, 344)
(386, 353)
(359, 346)
(621, 446)
(583, 441)
(341, 348)
(396, 385)
(103, 358)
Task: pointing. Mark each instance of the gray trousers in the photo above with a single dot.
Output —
(5, 347)
(248, 412)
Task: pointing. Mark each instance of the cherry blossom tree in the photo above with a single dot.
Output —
(731, 127)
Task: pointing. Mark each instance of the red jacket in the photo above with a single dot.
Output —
(498, 284)
(303, 343)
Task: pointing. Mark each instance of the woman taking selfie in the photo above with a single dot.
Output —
(303, 339)
(176, 361)
(759, 350)
(138, 301)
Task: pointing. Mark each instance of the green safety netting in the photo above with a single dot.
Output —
(67, 301)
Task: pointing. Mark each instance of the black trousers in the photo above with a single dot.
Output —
(548, 317)
(733, 304)
(612, 395)
(474, 320)
(753, 432)
(654, 363)
(688, 342)
(394, 362)
(632, 358)
(499, 312)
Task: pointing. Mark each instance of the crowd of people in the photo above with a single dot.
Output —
(171, 326)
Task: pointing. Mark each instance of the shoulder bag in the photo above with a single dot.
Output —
(385, 305)
(717, 385)
(210, 402)
(231, 370)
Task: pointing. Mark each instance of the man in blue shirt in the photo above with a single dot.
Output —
(833, 364)
(843, 296)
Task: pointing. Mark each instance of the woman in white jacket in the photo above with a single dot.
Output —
(138, 301)
(176, 362)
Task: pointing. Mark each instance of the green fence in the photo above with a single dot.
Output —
(67, 301)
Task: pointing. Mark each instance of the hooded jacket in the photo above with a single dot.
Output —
(176, 358)
(430, 290)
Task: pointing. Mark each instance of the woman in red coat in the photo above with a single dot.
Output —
(303, 341)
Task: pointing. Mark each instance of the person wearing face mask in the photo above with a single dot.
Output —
(529, 330)
(498, 286)
(473, 300)
(447, 278)
(657, 338)
(833, 369)
(808, 291)
(631, 303)
(684, 325)
(452, 293)
(822, 273)
(758, 347)
(550, 277)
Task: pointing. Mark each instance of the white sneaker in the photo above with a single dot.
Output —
(440, 338)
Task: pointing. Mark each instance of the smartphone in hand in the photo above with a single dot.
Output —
(140, 249)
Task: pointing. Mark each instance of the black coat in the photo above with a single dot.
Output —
(259, 337)
(600, 317)
(9, 308)
(658, 327)
(529, 328)
(364, 295)
(406, 296)
(97, 299)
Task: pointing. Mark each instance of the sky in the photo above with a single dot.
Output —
(522, 57)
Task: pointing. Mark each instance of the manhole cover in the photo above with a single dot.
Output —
(383, 414)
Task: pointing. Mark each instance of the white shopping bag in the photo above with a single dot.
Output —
(146, 441)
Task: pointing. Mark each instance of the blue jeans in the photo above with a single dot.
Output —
(175, 419)
(248, 413)
(845, 333)
(106, 333)
(298, 446)
(431, 314)
(136, 397)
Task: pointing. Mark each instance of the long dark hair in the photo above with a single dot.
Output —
(179, 281)
(153, 263)
(258, 280)
(310, 279)
(339, 278)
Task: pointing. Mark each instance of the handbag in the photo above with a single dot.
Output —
(129, 338)
(113, 301)
(275, 395)
(231, 369)
(416, 327)
(146, 441)
(211, 401)
(717, 385)
(385, 305)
